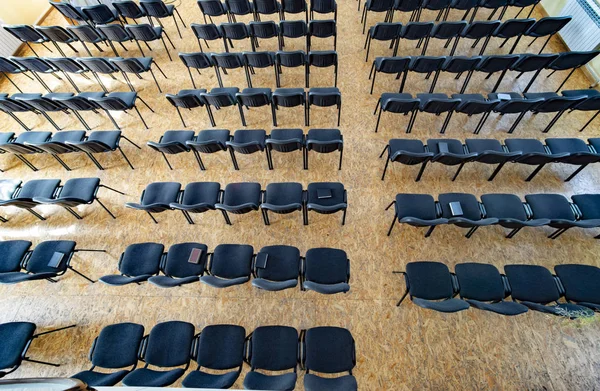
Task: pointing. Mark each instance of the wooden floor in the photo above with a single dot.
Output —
(405, 348)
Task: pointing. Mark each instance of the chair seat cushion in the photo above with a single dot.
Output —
(414, 146)
(145, 377)
(199, 379)
(108, 137)
(34, 137)
(14, 337)
(508, 308)
(588, 204)
(197, 193)
(449, 305)
(525, 145)
(391, 95)
(99, 379)
(219, 135)
(258, 381)
(161, 193)
(225, 90)
(483, 145)
(563, 309)
(247, 136)
(326, 289)
(274, 286)
(197, 93)
(317, 383)
(128, 98)
(169, 282)
(581, 282)
(421, 206)
(286, 193)
(286, 134)
(326, 266)
(119, 280)
(568, 145)
(242, 193)
(68, 135)
(223, 282)
(82, 189)
(504, 206)
(177, 136)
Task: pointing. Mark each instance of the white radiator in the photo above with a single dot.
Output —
(8, 44)
(583, 32)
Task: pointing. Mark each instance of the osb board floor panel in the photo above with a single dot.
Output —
(398, 348)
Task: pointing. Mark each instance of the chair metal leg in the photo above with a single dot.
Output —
(496, 171)
(471, 232)
(554, 120)
(481, 122)
(512, 233)
(430, 231)
(166, 160)
(167, 49)
(40, 362)
(233, 159)
(199, 160)
(81, 274)
(421, 171)
(402, 298)
(574, 174)
(112, 120)
(392, 226)
(590, 121)
(140, 115)
(152, 217)
(514, 126)
(26, 162)
(50, 120)
(26, 127)
(535, 172)
(71, 211)
(446, 122)
(226, 217)
(125, 157)
(93, 159)
(62, 163)
(458, 171)
(105, 208)
(532, 80)
(33, 212)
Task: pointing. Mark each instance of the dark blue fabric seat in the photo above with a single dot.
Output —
(13, 253)
(329, 350)
(430, 285)
(138, 263)
(116, 347)
(324, 141)
(198, 197)
(450, 152)
(168, 345)
(282, 198)
(581, 284)
(178, 269)
(326, 198)
(324, 97)
(472, 216)
(511, 212)
(172, 142)
(281, 269)
(406, 151)
(15, 337)
(157, 198)
(240, 198)
(285, 140)
(37, 188)
(230, 264)
(209, 141)
(218, 347)
(275, 349)
(418, 210)
(326, 271)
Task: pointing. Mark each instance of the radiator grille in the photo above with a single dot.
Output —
(583, 32)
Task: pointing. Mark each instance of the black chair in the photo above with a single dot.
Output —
(428, 65)
(115, 33)
(291, 60)
(16, 338)
(493, 64)
(553, 103)
(282, 198)
(7, 66)
(27, 34)
(321, 29)
(511, 212)
(71, 13)
(43, 105)
(209, 141)
(184, 264)
(418, 210)
(124, 338)
(198, 197)
(157, 198)
(254, 97)
(172, 142)
(234, 31)
(21, 145)
(197, 61)
(168, 345)
(219, 98)
(37, 65)
(101, 142)
(230, 264)
(263, 30)
(148, 33)
(22, 196)
(524, 4)
(323, 7)
(129, 9)
(482, 286)
(592, 103)
(68, 66)
(272, 349)
(292, 29)
(158, 9)
(390, 65)
(438, 104)
(324, 97)
(206, 32)
(266, 7)
(57, 34)
(412, 6)
(535, 287)
(559, 211)
(534, 153)
(547, 27)
(137, 264)
(572, 61)
(532, 63)
(57, 144)
(586, 206)
(416, 31)
(459, 65)
(239, 198)
(247, 142)
(445, 31)
(288, 97)
(277, 268)
(474, 104)
(326, 198)
(213, 8)
(510, 29)
(476, 31)
(120, 101)
(189, 99)
(490, 151)
(324, 141)
(239, 7)
(328, 350)
(254, 60)
(384, 32)
(408, 152)
(469, 213)
(11, 106)
(285, 141)
(430, 285)
(513, 103)
(323, 59)
(100, 14)
(450, 152)
(326, 271)
(580, 284)
(15, 251)
(219, 348)
(76, 192)
(98, 65)
(398, 104)
(294, 7)
(376, 6)
(86, 33)
(136, 66)
(579, 153)
(49, 259)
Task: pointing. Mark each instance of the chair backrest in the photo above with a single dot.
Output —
(141, 258)
(268, 29)
(143, 32)
(293, 6)
(289, 97)
(128, 9)
(117, 345)
(110, 103)
(468, 202)
(533, 62)
(239, 7)
(570, 60)
(491, 64)
(439, 105)
(85, 33)
(322, 59)
(380, 5)
(293, 28)
(25, 33)
(460, 64)
(114, 32)
(208, 32)
(480, 29)
(416, 30)
(43, 252)
(274, 348)
(177, 263)
(254, 99)
(184, 100)
(259, 59)
(559, 103)
(234, 30)
(400, 105)
(436, 5)
(548, 25)
(129, 65)
(14, 250)
(322, 28)
(196, 60)
(266, 7)
(464, 4)
(408, 5)
(34, 64)
(67, 10)
(532, 283)
(219, 99)
(480, 281)
(97, 64)
(392, 64)
(513, 28)
(228, 60)
(447, 30)
(99, 13)
(329, 350)
(75, 102)
(324, 140)
(9, 66)
(328, 98)
(55, 33)
(427, 64)
(169, 344)
(493, 4)
(323, 6)
(221, 347)
(291, 59)
(211, 7)
(155, 8)
(385, 31)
